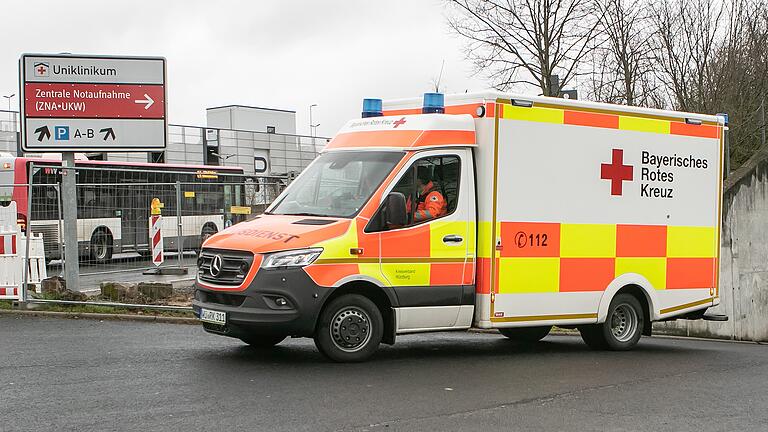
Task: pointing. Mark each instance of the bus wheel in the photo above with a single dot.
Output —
(206, 233)
(622, 327)
(526, 334)
(101, 246)
(262, 341)
(350, 329)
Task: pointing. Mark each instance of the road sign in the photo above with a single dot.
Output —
(92, 103)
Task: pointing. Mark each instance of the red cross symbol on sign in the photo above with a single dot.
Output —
(616, 171)
(40, 70)
(399, 122)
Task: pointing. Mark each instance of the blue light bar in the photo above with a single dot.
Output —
(372, 108)
(433, 103)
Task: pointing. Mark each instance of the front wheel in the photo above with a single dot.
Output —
(350, 329)
(622, 327)
(526, 334)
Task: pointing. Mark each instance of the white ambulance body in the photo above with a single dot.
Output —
(577, 214)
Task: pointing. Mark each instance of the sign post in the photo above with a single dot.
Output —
(72, 103)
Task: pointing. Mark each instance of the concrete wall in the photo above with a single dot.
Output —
(743, 259)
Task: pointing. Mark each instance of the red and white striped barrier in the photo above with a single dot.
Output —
(10, 264)
(156, 234)
(15, 259)
(8, 242)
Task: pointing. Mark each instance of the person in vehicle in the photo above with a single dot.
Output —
(430, 203)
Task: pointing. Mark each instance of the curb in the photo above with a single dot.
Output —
(103, 316)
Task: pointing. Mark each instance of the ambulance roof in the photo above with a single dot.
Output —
(467, 103)
(406, 132)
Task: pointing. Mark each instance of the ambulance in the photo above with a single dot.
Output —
(488, 210)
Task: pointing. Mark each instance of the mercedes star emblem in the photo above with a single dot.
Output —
(216, 265)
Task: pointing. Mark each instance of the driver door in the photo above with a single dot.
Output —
(430, 263)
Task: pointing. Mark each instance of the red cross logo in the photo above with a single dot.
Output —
(616, 171)
(398, 123)
(41, 69)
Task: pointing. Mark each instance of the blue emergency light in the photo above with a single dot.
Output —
(372, 108)
(433, 103)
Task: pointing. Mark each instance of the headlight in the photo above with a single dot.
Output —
(294, 258)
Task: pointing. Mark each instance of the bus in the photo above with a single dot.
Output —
(113, 203)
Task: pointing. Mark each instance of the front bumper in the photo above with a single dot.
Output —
(257, 310)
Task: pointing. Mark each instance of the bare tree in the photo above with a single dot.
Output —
(685, 39)
(526, 41)
(622, 70)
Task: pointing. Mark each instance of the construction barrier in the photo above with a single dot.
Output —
(13, 244)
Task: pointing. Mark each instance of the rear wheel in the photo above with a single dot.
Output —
(526, 334)
(622, 327)
(350, 329)
(101, 247)
(262, 341)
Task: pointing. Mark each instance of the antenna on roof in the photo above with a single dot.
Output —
(436, 82)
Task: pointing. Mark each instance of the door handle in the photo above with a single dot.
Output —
(452, 238)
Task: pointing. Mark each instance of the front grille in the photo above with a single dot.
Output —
(234, 266)
(217, 328)
(220, 298)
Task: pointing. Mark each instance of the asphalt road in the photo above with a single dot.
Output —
(66, 374)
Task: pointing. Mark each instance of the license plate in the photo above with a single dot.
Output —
(212, 316)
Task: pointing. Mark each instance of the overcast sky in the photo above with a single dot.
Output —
(279, 54)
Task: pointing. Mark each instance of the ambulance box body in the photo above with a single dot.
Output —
(551, 212)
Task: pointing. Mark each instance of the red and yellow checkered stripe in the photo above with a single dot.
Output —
(414, 257)
(561, 257)
(593, 118)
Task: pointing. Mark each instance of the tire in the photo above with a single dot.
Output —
(593, 336)
(205, 233)
(526, 334)
(262, 341)
(101, 247)
(350, 329)
(622, 328)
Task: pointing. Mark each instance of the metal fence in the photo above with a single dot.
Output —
(115, 225)
(258, 153)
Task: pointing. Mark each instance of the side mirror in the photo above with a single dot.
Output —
(394, 210)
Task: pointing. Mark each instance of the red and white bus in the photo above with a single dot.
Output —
(113, 202)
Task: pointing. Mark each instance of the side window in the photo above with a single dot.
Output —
(431, 190)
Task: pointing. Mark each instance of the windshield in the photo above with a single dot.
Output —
(336, 184)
